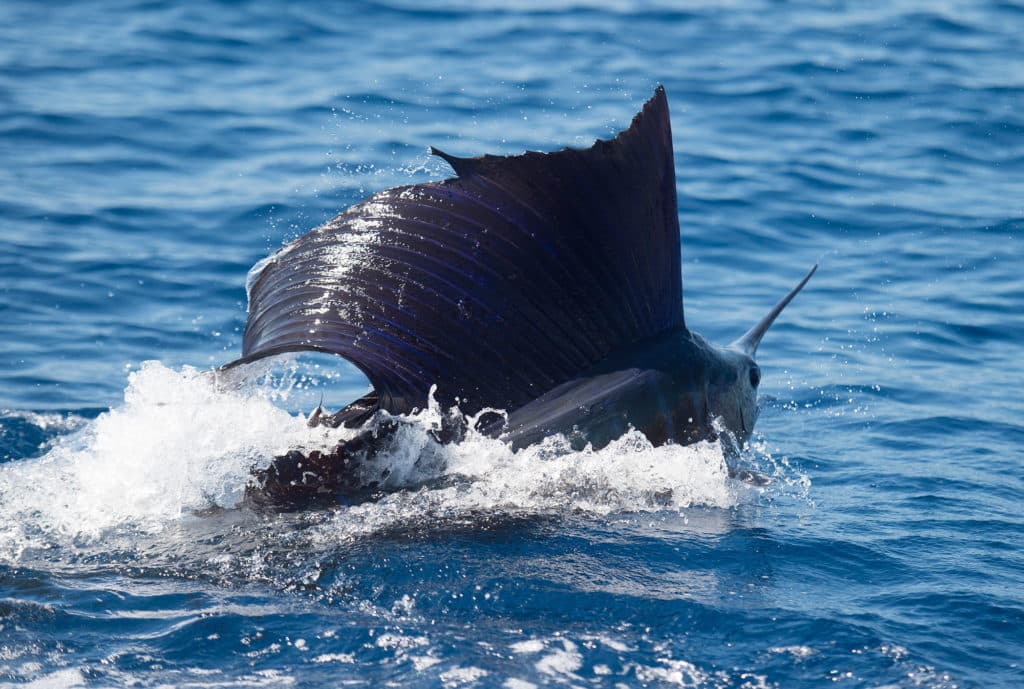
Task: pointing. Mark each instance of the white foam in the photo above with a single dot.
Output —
(182, 442)
(54, 422)
(61, 679)
(178, 443)
(483, 476)
(562, 662)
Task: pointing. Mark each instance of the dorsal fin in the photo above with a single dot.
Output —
(495, 285)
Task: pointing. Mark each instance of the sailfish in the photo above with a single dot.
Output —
(545, 285)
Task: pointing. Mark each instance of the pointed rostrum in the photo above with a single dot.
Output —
(495, 285)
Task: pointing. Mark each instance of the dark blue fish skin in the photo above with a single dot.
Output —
(672, 388)
(546, 285)
(659, 387)
(494, 286)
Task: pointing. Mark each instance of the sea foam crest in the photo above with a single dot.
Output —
(179, 442)
(483, 478)
(183, 441)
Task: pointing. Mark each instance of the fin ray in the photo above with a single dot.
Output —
(496, 285)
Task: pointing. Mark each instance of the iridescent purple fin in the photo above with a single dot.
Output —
(496, 285)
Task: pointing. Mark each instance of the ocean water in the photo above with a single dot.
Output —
(153, 151)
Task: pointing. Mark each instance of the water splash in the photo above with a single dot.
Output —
(180, 442)
(185, 441)
(483, 477)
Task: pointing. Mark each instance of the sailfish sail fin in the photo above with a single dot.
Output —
(495, 285)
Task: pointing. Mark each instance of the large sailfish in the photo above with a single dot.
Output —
(547, 285)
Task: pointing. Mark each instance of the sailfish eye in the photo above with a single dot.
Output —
(755, 376)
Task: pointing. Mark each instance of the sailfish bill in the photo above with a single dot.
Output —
(748, 343)
(547, 285)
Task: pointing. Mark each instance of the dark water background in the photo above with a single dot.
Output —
(152, 152)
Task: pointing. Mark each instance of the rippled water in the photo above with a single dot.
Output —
(153, 152)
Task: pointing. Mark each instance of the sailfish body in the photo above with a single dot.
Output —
(547, 285)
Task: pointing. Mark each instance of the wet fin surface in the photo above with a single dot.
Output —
(496, 285)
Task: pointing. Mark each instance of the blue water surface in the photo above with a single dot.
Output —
(152, 152)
